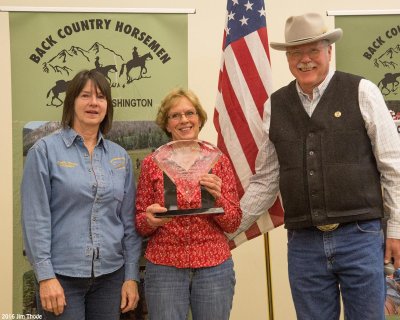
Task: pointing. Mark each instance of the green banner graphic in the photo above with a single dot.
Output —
(370, 47)
(143, 56)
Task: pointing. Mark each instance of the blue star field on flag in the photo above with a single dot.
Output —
(243, 17)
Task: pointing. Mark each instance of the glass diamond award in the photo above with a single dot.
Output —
(183, 162)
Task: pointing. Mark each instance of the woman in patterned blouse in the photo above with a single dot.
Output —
(189, 263)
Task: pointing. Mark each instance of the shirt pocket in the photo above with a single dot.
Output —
(118, 183)
(118, 176)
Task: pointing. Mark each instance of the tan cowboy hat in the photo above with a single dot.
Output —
(307, 28)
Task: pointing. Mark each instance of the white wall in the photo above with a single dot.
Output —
(205, 37)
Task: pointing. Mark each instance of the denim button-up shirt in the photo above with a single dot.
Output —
(77, 211)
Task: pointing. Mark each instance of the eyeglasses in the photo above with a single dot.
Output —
(177, 116)
(311, 53)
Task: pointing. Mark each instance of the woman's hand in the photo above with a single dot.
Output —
(129, 296)
(52, 296)
(212, 183)
(152, 221)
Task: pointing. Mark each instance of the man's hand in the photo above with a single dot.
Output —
(52, 296)
(129, 296)
(393, 250)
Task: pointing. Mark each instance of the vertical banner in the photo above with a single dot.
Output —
(370, 48)
(142, 55)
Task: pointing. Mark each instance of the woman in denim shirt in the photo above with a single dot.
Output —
(78, 198)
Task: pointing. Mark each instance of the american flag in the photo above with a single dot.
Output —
(244, 86)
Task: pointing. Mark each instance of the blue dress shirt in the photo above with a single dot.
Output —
(78, 211)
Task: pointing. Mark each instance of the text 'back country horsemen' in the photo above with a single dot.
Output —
(98, 56)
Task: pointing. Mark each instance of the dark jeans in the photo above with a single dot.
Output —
(90, 298)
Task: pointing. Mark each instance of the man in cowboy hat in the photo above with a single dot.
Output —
(330, 147)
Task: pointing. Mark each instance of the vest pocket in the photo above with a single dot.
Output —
(350, 190)
(342, 147)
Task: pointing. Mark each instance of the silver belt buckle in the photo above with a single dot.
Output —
(328, 227)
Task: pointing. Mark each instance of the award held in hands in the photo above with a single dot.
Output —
(183, 162)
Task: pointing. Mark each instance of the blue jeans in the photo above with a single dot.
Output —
(346, 261)
(208, 291)
(91, 298)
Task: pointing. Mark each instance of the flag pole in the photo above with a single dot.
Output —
(269, 277)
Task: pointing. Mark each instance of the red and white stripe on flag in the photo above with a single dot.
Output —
(243, 88)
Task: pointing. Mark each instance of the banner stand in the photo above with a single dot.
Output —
(361, 12)
(97, 10)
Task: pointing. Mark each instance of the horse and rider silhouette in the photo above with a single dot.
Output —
(389, 84)
(136, 62)
(104, 70)
(62, 85)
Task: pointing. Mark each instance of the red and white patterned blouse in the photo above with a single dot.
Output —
(188, 241)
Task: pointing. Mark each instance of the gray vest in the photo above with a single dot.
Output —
(328, 172)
